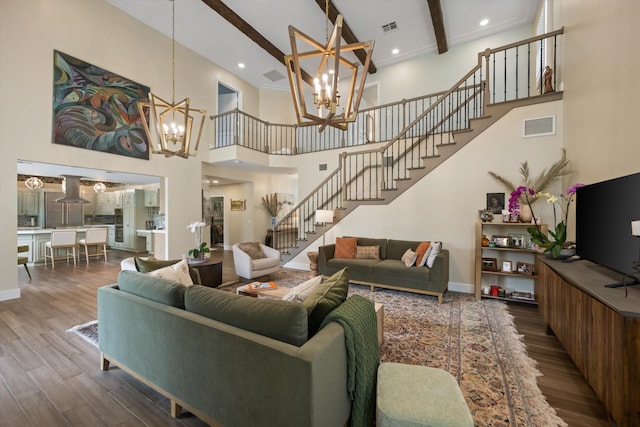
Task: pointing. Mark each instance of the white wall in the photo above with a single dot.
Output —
(100, 34)
(444, 205)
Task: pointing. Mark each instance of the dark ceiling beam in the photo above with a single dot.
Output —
(435, 8)
(347, 34)
(223, 10)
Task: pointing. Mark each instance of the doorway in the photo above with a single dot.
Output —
(217, 220)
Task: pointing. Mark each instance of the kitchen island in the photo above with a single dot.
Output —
(36, 237)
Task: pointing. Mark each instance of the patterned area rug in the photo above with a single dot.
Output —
(476, 341)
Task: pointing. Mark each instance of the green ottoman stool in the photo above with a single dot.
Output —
(411, 396)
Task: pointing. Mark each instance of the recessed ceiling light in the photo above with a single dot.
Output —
(215, 181)
(484, 22)
(240, 64)
(395, 51)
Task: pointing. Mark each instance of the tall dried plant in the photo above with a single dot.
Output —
(270, 202)
(540, 183)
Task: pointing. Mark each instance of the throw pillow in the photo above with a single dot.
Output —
(145, 265)
(325, 297)
(178, 272)
(302, 291)
(409, 257)
(436, 248)
(368, 252)
(346, 247)
(423, 252)
(253, 249)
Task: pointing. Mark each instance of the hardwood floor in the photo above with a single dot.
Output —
(49, 377)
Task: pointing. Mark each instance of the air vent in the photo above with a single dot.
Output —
(390, 27)
(539, 126)
(274, 75)
(322, 167)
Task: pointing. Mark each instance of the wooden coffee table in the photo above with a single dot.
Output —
(266, 293)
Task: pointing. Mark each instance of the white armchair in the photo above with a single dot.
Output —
(249, 268)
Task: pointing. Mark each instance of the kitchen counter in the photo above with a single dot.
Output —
(40, 230)
(153, 238)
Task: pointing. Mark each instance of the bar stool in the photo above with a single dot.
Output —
(94, 237)
(60, 239)
(22, 260)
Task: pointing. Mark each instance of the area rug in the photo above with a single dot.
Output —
(476, 341)
(88, 332)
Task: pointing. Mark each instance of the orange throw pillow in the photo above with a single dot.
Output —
(345, 247)
(421, 250)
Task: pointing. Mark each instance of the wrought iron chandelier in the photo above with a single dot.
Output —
(331, 66)
(172, 122)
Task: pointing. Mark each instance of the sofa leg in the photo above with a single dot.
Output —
(176, 409)
(440, 299)
(373, 288)
(104, 362)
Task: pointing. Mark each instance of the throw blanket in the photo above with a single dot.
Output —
(358, 318)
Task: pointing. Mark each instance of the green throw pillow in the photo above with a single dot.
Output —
(325, 297)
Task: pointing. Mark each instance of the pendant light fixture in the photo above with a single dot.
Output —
(172, 122)
(33, 183)
(327, 107)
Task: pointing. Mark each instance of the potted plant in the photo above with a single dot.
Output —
(559, 247)
(201, 248)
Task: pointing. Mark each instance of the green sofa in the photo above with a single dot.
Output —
(252, 366)
(389, 271)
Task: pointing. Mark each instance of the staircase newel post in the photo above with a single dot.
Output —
(236, 130)
(487, 56)
(344, 175)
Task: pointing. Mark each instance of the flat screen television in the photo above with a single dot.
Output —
(604, 212)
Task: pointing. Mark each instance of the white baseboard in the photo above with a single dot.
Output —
(466, 288)
(10, 294)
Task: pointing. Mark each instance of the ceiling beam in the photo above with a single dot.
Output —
(435, 8)
(234, 19)
(347, 34)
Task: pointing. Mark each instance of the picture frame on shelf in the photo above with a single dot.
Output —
(489, 264)
(495, 202)
(517, 241)
(507, 267)
(501, 241)
(524, 268)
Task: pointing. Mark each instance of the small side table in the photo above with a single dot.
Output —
(313, 265)
(210, 271)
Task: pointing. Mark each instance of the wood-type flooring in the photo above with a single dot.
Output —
(49, 377)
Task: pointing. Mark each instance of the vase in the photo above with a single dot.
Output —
(525, 214)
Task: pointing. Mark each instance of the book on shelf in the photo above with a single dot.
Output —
(525, 296)
(262, 286)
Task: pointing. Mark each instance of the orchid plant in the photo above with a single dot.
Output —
(201, 247)
(559, 235)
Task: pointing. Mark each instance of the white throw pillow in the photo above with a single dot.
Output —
(409, 257)
(301, 291)
(178, 272)
(436, 247)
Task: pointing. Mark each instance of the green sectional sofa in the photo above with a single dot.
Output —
(229, 359)
(389, 271)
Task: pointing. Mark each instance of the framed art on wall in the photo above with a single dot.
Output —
(238, 205)
(96, 109)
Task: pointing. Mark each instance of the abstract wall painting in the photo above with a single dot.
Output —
(96, 109)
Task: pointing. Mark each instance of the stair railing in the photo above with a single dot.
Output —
(362, 176)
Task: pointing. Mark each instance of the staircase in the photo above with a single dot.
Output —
(485, 94)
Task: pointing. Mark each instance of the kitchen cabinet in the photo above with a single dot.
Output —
(106, 203)
(151, 198)
(89, 208)
(28, 203)
(133, 218)
(111, 235)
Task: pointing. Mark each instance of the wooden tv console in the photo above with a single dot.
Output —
(599, 328)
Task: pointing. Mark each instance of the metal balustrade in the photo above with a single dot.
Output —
(412, 130)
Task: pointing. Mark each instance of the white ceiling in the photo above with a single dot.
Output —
(201, 29)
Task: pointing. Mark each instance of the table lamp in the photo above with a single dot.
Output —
(325, 217)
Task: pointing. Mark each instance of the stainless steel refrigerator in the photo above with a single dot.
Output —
(58, 215)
